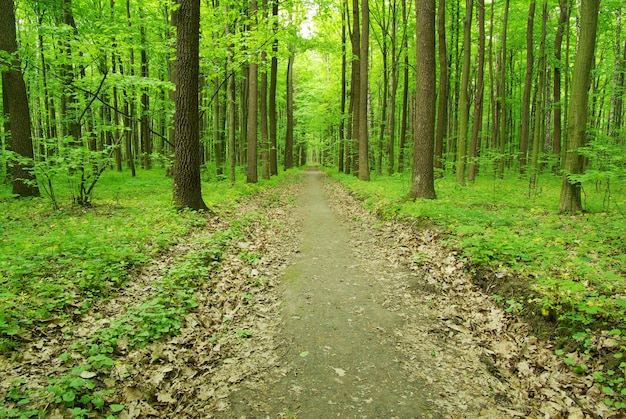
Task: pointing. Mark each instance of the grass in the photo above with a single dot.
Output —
(575, 264)
(55, 263)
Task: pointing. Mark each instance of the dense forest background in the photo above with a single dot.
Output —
(100, 78)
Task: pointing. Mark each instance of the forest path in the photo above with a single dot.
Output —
(342, 358)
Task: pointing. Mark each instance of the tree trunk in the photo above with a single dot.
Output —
(463, 95)
(146, 137)
(232, 109)
(289, 110)
(480, 92)
(14, 96)
(342, 122)
(503, 105)
(364, 172)
(540, 107)
(272, 111)
(355, 90)
(187, 184)
(444, 84)
(422, 179)
(528, 81)
(252, 174)
(570, 201)
(395, 57)
(265, 144)
(556, 92)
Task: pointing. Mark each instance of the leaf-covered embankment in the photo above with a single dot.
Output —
(563, 276)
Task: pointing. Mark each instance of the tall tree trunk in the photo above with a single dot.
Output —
(556, 92)
(395, 57)
(423, 179)
(232, 108)
(265, 144)
(528, 81)
(289, 110)
(355, 90)
(342, 122)
(464, 95)
(444, 84)
(272, 111)
(146, 137)
(480, 92)
(16, 99)
(540, 107)
(187, 184)
(570, 201)
(68, 99)
(252, 174)
(503, 105)
(218, 144)
(364, 172)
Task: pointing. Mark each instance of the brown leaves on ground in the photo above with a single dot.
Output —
(460, 342)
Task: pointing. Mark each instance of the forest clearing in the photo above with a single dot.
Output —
(298, 208)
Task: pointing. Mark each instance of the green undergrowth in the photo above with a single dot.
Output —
(566, 274)
(129, 224)
(55, 263)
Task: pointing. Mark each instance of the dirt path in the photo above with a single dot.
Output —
(320, 310)
(341, 360)
(379, 320)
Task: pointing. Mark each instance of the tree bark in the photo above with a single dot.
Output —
(364, 172)
(342, 122)
(556, 92)
(289, 110)
(503, 94)
(570, 200)
(444, 84)
(540, 104)
(422, 179)
(252, 173)
(16, 99)
(272, 111)
(528, 81)
(464, 95)
(480, 93)
(187, 184)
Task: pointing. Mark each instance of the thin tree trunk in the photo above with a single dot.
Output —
(556, 92)
(463, 95)
(503, 105)
(528, 81)
(290, 121)
(265, 144)
(146, 137)
(364, 172)
(405, 93)
(342, 122)
(444, 84)
(539, 112)
(480, 92)
(272, 112)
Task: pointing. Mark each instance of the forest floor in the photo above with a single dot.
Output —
(318, 309)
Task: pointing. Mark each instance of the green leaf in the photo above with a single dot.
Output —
(116, 407)
(304, 354)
